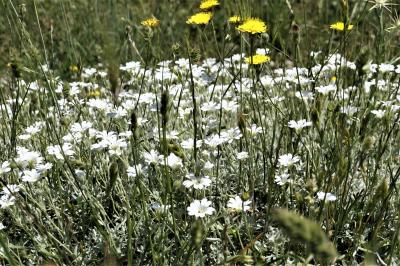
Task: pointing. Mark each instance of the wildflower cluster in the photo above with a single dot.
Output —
(218, 161)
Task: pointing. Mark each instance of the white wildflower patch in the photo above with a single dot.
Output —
(109, 161)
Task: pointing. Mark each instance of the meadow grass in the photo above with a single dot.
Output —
(254, 133)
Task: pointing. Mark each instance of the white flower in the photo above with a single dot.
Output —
(174, 161)
(349, 110)
(160, 207)
(208, 165)
(378, 113)
(100, 104)
(304, 95)
(215, 140)
(282, 179)
(254, 129)
(5, 167)
(43, 167)
(231, 134)
(81, 127)
(58, 151)
(288, 160)
(200, 208)
(197, 182)
(28, 158)
(327, 196)
(299, 124)
(237, 204)
(242, 155)
(386, 68)
(6, 200)
(151, 157)
(326, 89)
(116, 146)
(10, 189)
(30, 176)
(262, 51)
(229, 106)
(111, 141)
(34, 129)
(209, 106)
(133, 171)
(24, 136)
(117, 112)
(189, 144)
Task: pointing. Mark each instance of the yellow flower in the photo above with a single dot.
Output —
(253, 26)
(340, 26)
(94, 93)
(73, 68)
(200, 18)
(234, 19)
(207, 4)
(150, 22)
(257, 59)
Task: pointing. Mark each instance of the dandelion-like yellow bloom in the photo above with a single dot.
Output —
(200, 18)
(253, 26)
(340, 26)
(234, 19)
(73, 68)
(150, 22)
(94, 93)
(207, 4)
(257, 59)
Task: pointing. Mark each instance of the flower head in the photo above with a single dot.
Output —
(288, 160)
(380, 4)
(395, 26)
(378, 113)
(327, 196)
(282, 179)
(197, 182)
(234, 19)
(207, 4)
(150, 22)
(257, 59)
(299, 124)
(134, 171)
(5, 167)
(30, 176)
(339, 26)
(237, 204)
(253, 26)
(200, 18)
(200, 208)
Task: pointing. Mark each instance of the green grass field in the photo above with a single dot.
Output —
(199, 132)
